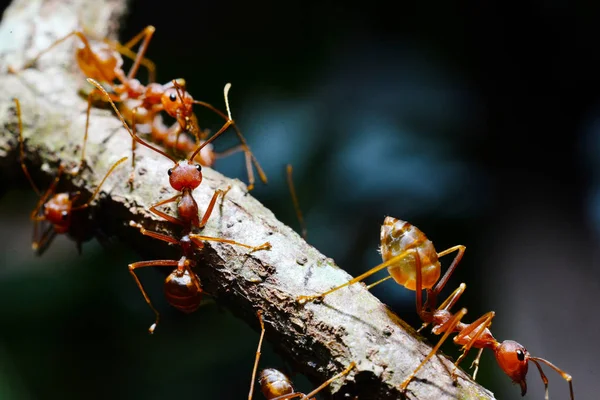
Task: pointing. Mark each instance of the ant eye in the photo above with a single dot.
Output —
(520, 355)
(198, 167)
(64, 215)
(170, 171)
(173, 97)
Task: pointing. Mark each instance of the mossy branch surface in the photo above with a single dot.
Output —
(319, 339)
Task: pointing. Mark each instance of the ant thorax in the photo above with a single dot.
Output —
(399, 236)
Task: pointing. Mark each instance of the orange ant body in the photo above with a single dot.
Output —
(275, 385)
(56, 208)
(412, 262)
(184, 177)
(102, 61)
(183, 288)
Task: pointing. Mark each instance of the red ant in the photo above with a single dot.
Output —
(275, 385)
(412, 262)
(102, 61)
(183, 288)
(55, 208)
(184, 177)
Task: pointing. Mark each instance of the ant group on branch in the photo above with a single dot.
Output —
(408, 255)
(101, 61)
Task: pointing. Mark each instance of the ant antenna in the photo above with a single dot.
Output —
(226, 94)
(562, 373)
(228, 123)
(295, 200)
(133, 134)
(22, 148)
(115, 165)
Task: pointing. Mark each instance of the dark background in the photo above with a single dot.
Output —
(477, 123)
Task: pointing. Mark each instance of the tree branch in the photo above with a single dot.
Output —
(319, 339)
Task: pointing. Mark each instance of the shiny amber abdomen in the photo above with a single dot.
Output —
(398, 236)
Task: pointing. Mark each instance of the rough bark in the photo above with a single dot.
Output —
(319, 338)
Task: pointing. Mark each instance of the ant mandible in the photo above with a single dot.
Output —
(183, 288)
(275, 385)
(184, 176)
(55, 208)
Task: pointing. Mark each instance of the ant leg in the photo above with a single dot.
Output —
(449, 328)
(475, 363)
(433, 293)
(449, 302)
(156, 235)
(153, 263)
(292, 188)
(197, 239)
(165, 215)
(85, 205)
(304, 299)
(132, 133)
(483, 322)
(211, 206)
(22, 148)
(260, 340)
(34, 216)
(328, 381)
(146, 33)
(372, 285)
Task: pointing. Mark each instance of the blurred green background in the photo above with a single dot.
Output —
(478, 123)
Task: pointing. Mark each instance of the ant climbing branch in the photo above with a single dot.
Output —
(324, 339)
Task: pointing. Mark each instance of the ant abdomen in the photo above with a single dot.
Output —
(182, 292)
(109, 60)
(399, 236)
(274, 383)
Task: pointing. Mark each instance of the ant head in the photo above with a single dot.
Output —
(185, 175)
(177, 101)
(512, 358)
(57, 211)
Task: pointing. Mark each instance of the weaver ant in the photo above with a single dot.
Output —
(184, 176)
(183, 288)
(412, 262)
(102, 61)
(56, 208)
(275, 385)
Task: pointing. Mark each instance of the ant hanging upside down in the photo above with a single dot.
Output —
(60, 210)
